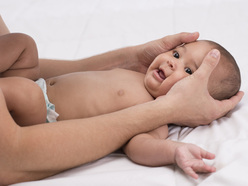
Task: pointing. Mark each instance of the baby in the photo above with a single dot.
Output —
(91, 93)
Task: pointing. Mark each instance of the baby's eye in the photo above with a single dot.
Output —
(188, 70)
(176, 54)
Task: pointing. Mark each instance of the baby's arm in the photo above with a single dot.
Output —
(153, 149)
(18, 56)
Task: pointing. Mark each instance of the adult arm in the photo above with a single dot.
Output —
(136, 58)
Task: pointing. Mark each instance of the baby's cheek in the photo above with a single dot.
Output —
(179, 76)
(170, 81)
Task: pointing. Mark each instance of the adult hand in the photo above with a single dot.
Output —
(147, 52)
(191, 103)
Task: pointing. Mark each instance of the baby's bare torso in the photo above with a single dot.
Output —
(86, 94)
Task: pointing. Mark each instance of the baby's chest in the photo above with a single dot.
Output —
(129, 94)
(107, 99)
(115, 91)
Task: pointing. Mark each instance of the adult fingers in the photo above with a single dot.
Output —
(229, 104)
(172, 41)
(148, 51)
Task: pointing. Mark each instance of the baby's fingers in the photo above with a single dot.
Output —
(199, 167)
(207, 155)
(203, 168)
(189, 171)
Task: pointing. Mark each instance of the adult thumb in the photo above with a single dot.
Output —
(208, 64)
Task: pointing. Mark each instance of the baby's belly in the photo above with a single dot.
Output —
(81, 95)
(68, 95)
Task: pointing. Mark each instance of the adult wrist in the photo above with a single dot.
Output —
(162, 110)
(130, 59)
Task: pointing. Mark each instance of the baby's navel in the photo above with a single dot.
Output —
(120, 92)
(52, 82)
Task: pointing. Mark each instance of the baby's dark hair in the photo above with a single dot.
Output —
(229, 85)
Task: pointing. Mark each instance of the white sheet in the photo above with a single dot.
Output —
(80, 28)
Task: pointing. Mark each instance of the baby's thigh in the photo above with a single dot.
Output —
(24, 99)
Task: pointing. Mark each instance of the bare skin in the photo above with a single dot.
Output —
(87, 94)
(26, 159)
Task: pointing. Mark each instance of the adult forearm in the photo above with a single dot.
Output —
(114, 59)
(47, 149)
(85, 140)
(136, 58)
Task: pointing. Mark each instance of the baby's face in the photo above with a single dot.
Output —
(172, 66)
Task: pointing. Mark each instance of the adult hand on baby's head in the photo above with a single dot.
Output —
(191, 102)
(147, 52)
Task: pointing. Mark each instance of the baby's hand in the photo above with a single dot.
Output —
(189, 158)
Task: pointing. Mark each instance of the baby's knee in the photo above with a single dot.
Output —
(26, 91)
(25, 101)
(33, 110)
(31, 92)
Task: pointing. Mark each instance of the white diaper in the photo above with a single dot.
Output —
(51, 114)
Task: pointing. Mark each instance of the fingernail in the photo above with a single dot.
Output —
(192, 33)
(215, 53)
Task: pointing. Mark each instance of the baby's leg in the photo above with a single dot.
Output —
(25, 100)
(19, 56)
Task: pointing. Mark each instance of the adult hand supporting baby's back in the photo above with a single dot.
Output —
(191, 102)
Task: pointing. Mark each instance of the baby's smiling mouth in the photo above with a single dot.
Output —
(161, 74)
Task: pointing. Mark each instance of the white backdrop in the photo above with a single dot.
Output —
(81, 28)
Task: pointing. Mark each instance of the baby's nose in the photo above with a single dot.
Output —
(171, 64)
